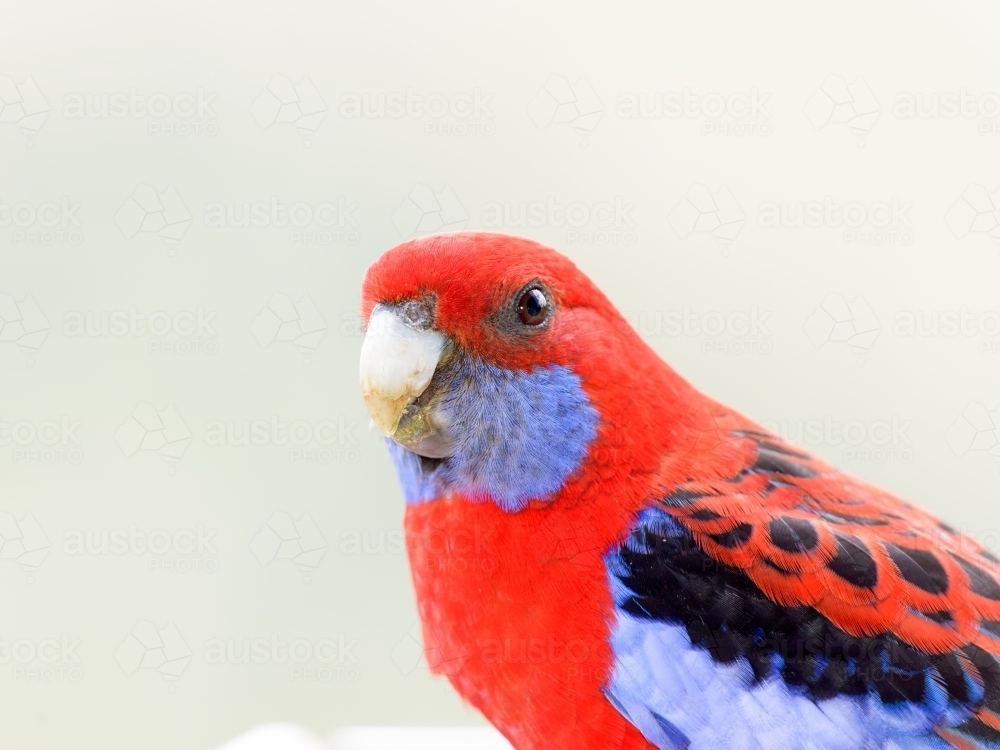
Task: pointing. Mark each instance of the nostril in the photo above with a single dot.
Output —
(418, 314)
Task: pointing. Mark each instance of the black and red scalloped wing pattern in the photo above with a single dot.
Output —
(867, 562)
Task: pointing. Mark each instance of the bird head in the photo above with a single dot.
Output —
(489, 363)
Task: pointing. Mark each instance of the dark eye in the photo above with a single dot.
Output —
(533, 308)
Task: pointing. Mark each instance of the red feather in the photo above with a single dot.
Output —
(516, 607)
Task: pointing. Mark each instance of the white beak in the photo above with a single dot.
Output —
(397, 364)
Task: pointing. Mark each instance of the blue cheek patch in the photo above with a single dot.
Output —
(518, 435)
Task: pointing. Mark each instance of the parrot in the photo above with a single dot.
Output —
(605, 557)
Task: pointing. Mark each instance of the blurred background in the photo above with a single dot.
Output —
(797, 206)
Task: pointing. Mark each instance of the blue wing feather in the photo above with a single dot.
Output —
(703, 660)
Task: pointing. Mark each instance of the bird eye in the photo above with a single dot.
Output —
(533, 307)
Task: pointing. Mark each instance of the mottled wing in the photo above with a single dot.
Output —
(790, 605)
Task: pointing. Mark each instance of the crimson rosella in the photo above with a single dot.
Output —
(604, 557)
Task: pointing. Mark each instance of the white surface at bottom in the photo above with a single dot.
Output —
(291, 737)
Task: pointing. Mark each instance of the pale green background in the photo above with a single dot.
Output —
(783, 50)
